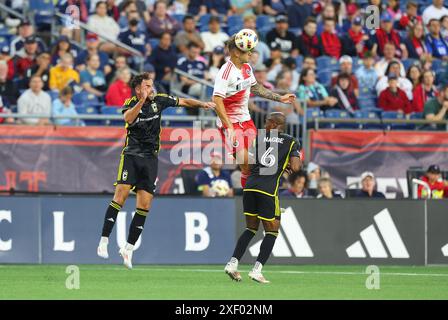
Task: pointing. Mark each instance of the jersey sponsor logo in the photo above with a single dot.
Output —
(372, 240)
(125, 175)
(154, 107)
(291, 231)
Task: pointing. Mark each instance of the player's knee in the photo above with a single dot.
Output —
(121, 195)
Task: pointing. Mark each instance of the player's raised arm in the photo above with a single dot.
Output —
(260, 91)
(193, 103)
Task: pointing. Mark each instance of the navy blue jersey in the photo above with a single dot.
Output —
(136, 40)
(192, 67)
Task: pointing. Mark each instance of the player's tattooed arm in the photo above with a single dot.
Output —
(261, 91)
(258, 90)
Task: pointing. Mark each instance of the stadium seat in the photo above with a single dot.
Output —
(53, 94)
(189, 181)
(112, 110)
(171, 111)
(437, 64)
(84, 97)
(179, 17)
(395, 115)
(339, 114)
(234, 24)
(264, 23)
(311, 114)
(154, 42)
(324, 77)
(408, 62)
(90, 108)
(43, 11)
(367, 114)
(299, 62)
(327, 63)
(366, 103)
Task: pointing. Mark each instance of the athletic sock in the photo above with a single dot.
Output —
(243, 179)
(266, 247)
(243, 242)
(110, 218)
(137, 225)
(257, 267)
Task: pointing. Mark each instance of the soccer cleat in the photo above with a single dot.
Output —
(127, 257)
(102, 251)
(257, 276)
(232, 272)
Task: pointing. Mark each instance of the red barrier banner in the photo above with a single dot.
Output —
(346, 154)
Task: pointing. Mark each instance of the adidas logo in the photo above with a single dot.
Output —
(445, 250)
(140, 227)
(111, 219)
(372, 240)
(290, 227)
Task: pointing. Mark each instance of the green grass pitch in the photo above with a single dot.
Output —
(210, 282)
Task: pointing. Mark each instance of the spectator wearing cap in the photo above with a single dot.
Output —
(308, 41)
(434, 11)
(283, 37)
(389, 55)
(8, 89)
(298, 185)
(214, 37)
(437, 46)
(210, 175)
(219, 7)
(354, 43)
(63, 74)
(274, 7)
(189, 34)
(298, 11)
(5, 56)
(386, 34)
(119, 90)
(393, 98)
(314, 173)
(34, 101)
(216, 61)
(312, 92)
(415, 42)
(64, 106)
(163, 58)
(347, 99)
(100, 23)
(41, 68)
(403, 83)
(245, 7)
(424, 91)
(25, 30)
(62, 46)
(410, 18)
(325, 189)
(436, 109)
(191, 64)
(433, 178)
(91, 78)
(134, 37)
(346, 66)
(162, 22)
(92, 44)
(368, 185)
(26, 57)
(250, 22)
(366, 73)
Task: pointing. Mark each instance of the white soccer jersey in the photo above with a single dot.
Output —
(233, 85)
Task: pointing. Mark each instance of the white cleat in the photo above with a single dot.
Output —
(232, 271)
(127, 257)
(102, 251)
(258, 277)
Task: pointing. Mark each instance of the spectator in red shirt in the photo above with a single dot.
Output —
(346, 66)
(415, 42)
(329, 40)
(4, 55)
(308, 41)
(346, 96)
(27, 58)
(386, 34)
(393, 98)
(435, 183)
(424, 91)
(119, 90)
(410, 18)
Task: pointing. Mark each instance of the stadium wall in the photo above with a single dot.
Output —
(187, 230)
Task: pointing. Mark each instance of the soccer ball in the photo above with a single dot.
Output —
(220, 188)
(246, 39)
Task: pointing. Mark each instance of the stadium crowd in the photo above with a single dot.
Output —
(321, 50)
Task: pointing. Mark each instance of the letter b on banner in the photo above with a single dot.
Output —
(197, 237)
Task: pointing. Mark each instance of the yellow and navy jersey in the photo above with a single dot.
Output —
(271, 153)
(143, 135)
